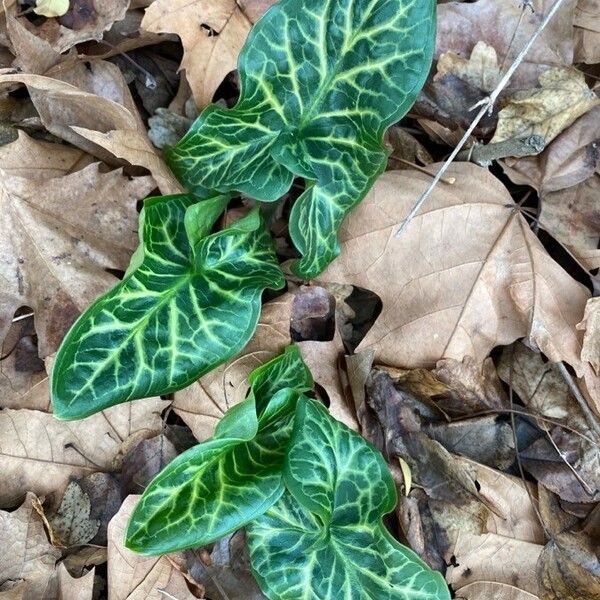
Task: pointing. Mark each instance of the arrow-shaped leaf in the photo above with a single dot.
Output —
(324, 539)
(222, 484)
(321, 81)
(192, 302)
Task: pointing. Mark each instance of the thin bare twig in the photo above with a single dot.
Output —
(591, 419)
(487, 105)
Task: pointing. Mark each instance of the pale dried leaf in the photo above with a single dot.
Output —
(51, 8)
(481, 69)
(26, 553)
(563, 97)
(570, 159)
(465, 276)
(41, 454)
(498, 23)
(71, 588)
(493, 557)
(488, 590)
(590, 351)
(94, 100)
(132, 576)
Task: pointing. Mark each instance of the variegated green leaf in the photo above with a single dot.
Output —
(192, 303)
(321, 80)
(222, 484)
(324, 539)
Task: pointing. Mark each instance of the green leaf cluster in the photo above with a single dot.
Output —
(321, 81)
(310, 491)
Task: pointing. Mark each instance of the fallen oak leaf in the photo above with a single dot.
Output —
(442, 299)
(563, 97)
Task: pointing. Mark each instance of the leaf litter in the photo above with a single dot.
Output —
(467, 350)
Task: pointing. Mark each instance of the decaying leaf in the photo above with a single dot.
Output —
(27, 555)
(506, 28)
(587, 31)
(572, 216)
(75, 588)
(563, 97)
(570, 159)
(41, 454)
(569, 568)
(485, 590)
(538, 383)
(90, 106)
(481, 69)
(60, 234)
(590, 351)
(445, 299)
(71, 525)
(135, 577)
(212, 34)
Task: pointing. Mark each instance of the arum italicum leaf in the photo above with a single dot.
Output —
(192, 302)
(321, 81)
(222, 484)
(324, 539)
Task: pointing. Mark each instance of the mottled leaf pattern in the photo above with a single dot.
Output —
(183, 310)
(321, 81)
(324, 539)
(222, 484)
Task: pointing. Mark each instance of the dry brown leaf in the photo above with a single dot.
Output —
(71, 525)
(572, 217)
(563, 97)
(85, 20)
(496, 558)
(453, 494)
(465, 276)
(539, 385)
(27, 554)
(89, 105)
(569, 568)
(132, 576)
(72, 588)
(488, 590)
(590, 351)
(481, 69)
(41, 454)
(498, 23)
(202, 404)
(570, 159)
(471, 386)
(212, 34)
(59, 235)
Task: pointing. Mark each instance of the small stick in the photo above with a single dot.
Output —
(448, 180)
(487, 105)
(587, 413)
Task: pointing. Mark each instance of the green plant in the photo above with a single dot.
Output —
(310, 491)
(321, 81)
